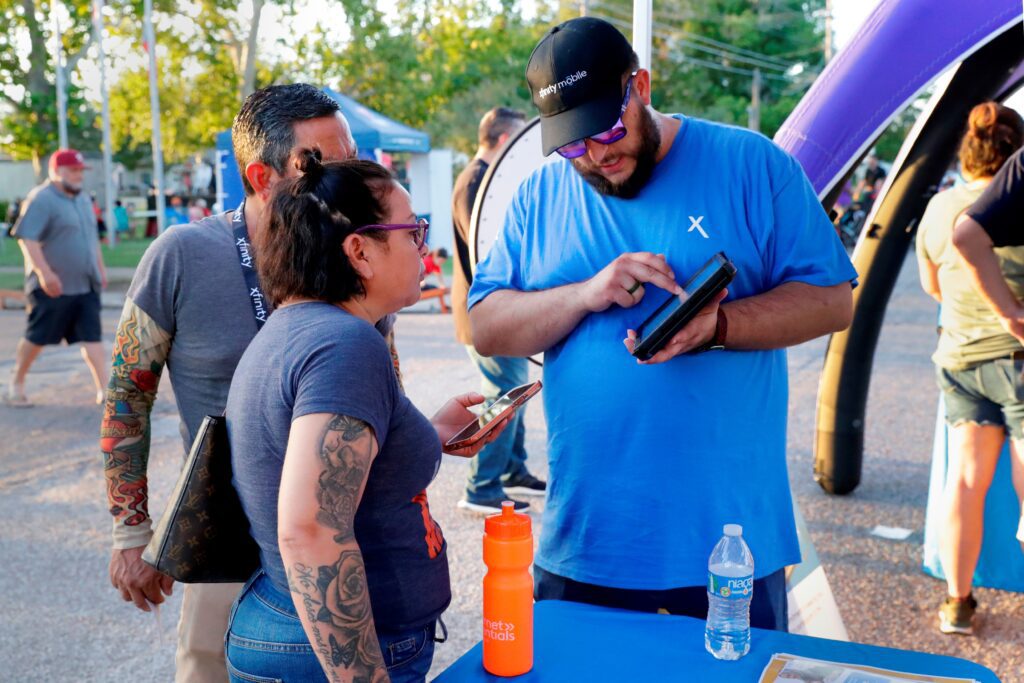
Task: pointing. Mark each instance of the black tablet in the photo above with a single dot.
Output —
(671, 316)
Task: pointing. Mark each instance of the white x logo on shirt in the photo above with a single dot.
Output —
(695, 225)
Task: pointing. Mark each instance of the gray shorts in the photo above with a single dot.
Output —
(990, 393)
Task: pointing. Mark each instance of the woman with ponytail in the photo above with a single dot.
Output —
(978, 363)
(331, 460)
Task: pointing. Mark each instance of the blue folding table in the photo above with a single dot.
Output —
(576, 642)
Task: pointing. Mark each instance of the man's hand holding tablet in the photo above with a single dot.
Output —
(686, 321)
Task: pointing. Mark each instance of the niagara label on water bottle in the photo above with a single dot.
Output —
(730, 589)
(508, 593)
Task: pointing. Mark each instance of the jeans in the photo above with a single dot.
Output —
(505, 457)
(768, 607)
(266, 643)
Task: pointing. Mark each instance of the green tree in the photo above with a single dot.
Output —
(438, 68)
(705, 52)
(202, 74)
(28, 100)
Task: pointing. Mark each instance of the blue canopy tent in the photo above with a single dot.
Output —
(371, 130)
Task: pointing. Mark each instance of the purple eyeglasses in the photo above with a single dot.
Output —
(420, 228)
(578, 148)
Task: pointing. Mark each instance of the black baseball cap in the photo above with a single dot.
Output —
(575, 78)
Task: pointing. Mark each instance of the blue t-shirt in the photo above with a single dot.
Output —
(315, 358)
(648, 462)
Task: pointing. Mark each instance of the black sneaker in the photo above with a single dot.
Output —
(956, 615)
(525, 485)
(491, 505)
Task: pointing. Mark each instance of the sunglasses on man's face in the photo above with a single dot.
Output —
(417, 229)
(578, 148)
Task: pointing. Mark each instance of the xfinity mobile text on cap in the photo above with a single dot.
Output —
(575, 76)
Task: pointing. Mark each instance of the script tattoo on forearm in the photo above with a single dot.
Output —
(140, 351)
(335, 597)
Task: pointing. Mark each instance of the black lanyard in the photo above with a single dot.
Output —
(252, 282)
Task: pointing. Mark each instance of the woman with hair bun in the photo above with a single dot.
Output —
(978, 363)
(331, 460)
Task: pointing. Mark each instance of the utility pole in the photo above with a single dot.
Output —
(754, 110)
(62, 102)
(583, 8)
(828, 31)
(108, 163)
(643, 13)
(154, 106)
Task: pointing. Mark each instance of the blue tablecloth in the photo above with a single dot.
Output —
(575, 642)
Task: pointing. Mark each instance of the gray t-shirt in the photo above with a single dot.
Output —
(971, 332)
(190, 282)
(315, 358)
(65, 226)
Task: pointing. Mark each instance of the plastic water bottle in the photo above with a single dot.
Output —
(730, 588)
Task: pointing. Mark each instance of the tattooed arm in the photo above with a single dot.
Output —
(331, 456)
(140, 351)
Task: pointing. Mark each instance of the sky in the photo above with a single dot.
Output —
(847, 16)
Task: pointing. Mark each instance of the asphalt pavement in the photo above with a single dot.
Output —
(62, 621)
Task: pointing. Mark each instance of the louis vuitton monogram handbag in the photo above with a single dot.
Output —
(203, 536)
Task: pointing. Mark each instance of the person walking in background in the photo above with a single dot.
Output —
(64, 273)
(500, 469)
(977, 362)
(194, 305)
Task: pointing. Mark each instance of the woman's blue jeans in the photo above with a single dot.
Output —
(265, 642)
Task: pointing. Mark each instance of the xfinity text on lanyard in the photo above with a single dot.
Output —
(252, 282)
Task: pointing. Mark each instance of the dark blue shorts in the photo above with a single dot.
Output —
(768, 607)
(990, 393)
(71, 317)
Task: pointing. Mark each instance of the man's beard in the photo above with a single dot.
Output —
(646, 160)
(70, 189)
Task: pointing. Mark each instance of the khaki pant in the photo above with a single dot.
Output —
(204, 621)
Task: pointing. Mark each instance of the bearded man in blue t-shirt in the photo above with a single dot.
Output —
(649, 460)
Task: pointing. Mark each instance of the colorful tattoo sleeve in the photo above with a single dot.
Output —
(333, 597)
(140, 352)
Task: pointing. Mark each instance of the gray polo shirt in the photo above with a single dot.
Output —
(65, 227)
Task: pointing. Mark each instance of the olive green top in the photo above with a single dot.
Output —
(971, 332)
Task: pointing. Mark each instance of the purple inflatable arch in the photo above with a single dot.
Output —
(902, 47)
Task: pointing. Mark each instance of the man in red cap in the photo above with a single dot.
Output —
(64, 273)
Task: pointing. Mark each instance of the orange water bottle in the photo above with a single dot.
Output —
(508, 593)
